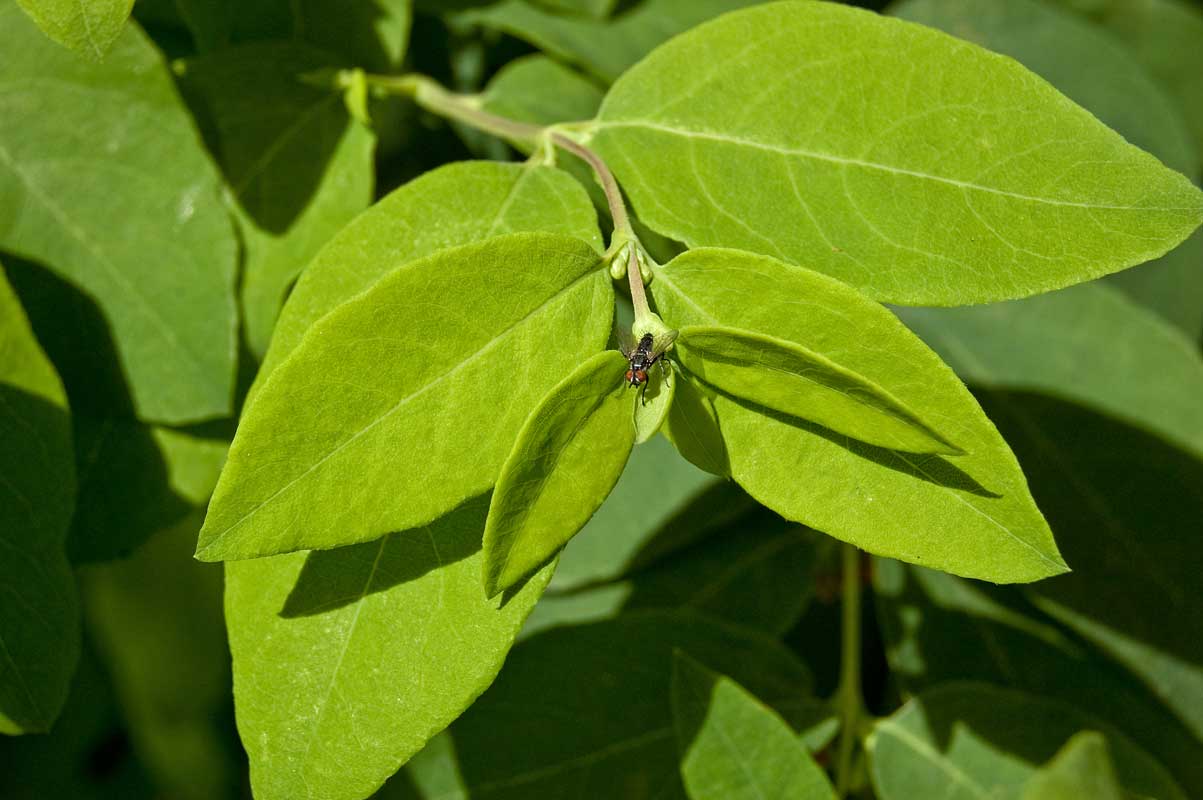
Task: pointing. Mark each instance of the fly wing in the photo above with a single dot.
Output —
(663, 342)
(626, 342)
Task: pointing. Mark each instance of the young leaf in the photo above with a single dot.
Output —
(968, 741)
(692, 427)
(454, 205)
(39, 618)
(1096, 71)
(918, 168)
(87, 28)
(604, 48)
(347, 661)
(524, 738)
(565, 461)
(163, 277)
(971, 515)
(653, 404)
(732, 746)
(298, 167)
(404, 402)
(1080, 769)
(536, 89)
(799, 382)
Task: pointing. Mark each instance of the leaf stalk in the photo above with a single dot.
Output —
(848, 694)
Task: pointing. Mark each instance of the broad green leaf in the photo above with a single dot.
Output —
(971, 515)
(732, 746)
(798, 382)
(973, 741)
(454, 205)
(593, 8)
(526, 737)
(566, 459)
(88, 28)
(677, 504)
(536, 89)
(1080, 769)
(654, 403)
(39, 617)
(370, 33)
(85, 145)
(757, 571)
(1163, 35)
(346, 662)
(940, 628)
(964, 179)
(1089, 345)
(134, 480)
(604, 48)
(404, 402)
(297, 166)
(1094, 70)
(156, 619)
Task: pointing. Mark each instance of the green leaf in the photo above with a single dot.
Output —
(566, 459)
(654, 403)
(973, 740)
(524, 738)
(799, 382)
(604, 48)
(1163, 35)
(39, 618)
(156, 619)
(1094, 70)
(966, 179)
(297, 166)
(404, 402)
(1082, 768)
(734, 747)
(162, 278)
(346, 662)
(692, 426)
(536, 89)
(372, 34)
(677, 504)
(940, 628)
(598, 9)
(971, 515)
(135, 480)
(87, 28)
(454, 205)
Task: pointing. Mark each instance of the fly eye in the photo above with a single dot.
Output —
(629, 374)
(640, 375)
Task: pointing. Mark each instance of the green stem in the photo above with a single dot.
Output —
(848, 695)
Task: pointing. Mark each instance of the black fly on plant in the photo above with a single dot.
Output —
(643, 356)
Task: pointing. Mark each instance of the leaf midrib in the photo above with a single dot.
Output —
(847, 161)
(463, 364)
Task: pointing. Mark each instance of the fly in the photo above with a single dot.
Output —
(644, 356)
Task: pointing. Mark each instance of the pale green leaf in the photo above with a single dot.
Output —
(297, 166)
(346, 662)
(536, 89)
(916, 167)
(156, 620)
(89, 28)
(454, 205)
(1081, 769)
(653, 405)
(677, 504)
(732, 746)
(604, 48)
(971, 515)
(566, 459)
(973, 741)
(39, 615)
(940, 628)
(1096, 71)
(692, 426)
(83, 146)
(404, 402)
(367, 33)
(794, 380)
(526, 737)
